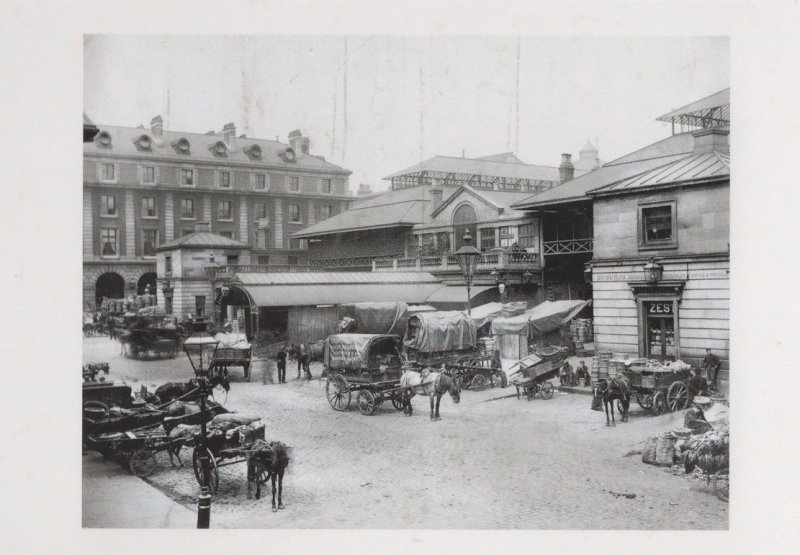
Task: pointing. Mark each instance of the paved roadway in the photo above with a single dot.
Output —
(489, 463)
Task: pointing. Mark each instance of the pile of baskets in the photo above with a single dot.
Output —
(600, 365)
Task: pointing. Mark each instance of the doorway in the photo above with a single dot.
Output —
(660, 340)
(109, 285)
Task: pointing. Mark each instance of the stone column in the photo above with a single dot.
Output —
(278, 223)
(130, 226)
(169, 218)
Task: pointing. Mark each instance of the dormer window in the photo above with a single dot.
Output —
(104, 138)
(219, 148)
(288, 155)
(182, 145)
(143, 142)
(253, 151)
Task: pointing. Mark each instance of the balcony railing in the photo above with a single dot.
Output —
(568, 246)
(448, 263)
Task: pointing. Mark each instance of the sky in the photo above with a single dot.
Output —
(378, 104)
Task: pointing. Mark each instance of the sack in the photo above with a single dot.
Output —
(665, 450)
(597, 403)
(649, 451)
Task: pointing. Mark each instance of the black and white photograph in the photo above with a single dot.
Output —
(282, 261)
(394, 277)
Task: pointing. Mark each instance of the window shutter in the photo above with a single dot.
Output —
(139, 172)
(157, 175)
(116, 173)
(99, 171)
(216, 178)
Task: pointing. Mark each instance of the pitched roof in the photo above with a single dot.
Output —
(700, 168)
(478, 166)
(504, 157)
(495, 199)
(124, 142)
(202, 239)
(718, 99)
(653, 156)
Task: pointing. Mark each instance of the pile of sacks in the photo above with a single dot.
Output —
(234, 430)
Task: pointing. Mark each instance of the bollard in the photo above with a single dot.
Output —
(204, 510)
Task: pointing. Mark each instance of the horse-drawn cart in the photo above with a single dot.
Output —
(536, 374)
(370, 365)
(135, 448)
(233, 350)
(225, 449)
(656, 387)
(477, 372)
(149, 343)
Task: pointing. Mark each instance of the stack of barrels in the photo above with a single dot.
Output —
(600, 365)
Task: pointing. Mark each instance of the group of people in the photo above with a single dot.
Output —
(298, 352)
(580, 375)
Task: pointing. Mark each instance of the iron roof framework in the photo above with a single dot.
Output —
(480, 182)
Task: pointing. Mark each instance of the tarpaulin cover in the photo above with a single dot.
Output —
(350, 351)
(489, 311)
(543, 318)
(383, 317)
(440, 331)
(232, 341)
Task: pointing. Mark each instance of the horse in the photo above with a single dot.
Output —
(179, 436)
(267, 461)
(431, 384)
(173, 390)
(614, 389)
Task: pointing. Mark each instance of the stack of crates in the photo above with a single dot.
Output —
(600, 365)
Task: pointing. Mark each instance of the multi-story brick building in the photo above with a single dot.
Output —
(145, 187)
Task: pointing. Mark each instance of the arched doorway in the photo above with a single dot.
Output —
(236, 306)
(464, 219)
(109, 285)
(148, 278)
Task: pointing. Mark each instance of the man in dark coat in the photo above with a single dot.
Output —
(281, 358)
(697, 385)
(711, 366)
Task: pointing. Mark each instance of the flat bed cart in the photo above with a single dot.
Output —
(135, 448)
(536, 374)
(234, 356)
(224, 452)
(150, 343)
(365, 364)
(656, 389)
(477, 372)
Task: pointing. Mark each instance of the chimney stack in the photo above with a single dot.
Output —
(298, 142)
(566, 171)
(711, 140)
(364, 189)
(436, 197)
(229, 135)
(157, 130)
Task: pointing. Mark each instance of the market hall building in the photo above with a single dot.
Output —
(656, 223)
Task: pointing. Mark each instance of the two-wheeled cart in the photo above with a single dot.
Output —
(536, 374)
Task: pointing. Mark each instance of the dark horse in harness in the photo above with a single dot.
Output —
(614, 389)
(432, 384)
(172, 390)
(267, 461)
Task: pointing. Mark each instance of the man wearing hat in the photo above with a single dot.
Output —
(697, 385)
(695, 418)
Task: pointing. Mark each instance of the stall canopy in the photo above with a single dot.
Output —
(543, 318)
(456, 293)
(489, 311)
(440, 331)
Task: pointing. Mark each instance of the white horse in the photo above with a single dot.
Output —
(431, 384)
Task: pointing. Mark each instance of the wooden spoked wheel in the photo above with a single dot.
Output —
(337, 390)
(721, 484)
(366, 402)
(397, 400)
(659, 404)
(547, 390)
(479, 382)
(213, 472)
(142, 462)
(677, 394)
(645, 401)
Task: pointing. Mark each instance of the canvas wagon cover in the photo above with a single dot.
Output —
(350, 351)
(442, 331)
(543, 318)
(381, 317)
(489, 311)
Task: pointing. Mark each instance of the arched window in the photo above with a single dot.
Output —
(464, 219)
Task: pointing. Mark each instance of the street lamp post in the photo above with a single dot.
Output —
(167, 289)
(653, 271)
(200, 348)
(212, 271)
(468, 257)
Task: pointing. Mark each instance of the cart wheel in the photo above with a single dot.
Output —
(479, 382)
(721, 482)
(677, 394)
(659, 404)
(213, 472)
(645, 402)
(546, 390)
(366, 402)
(337, 391)
(397, 400)
(142, 462)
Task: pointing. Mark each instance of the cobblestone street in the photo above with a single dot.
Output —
(491, 462)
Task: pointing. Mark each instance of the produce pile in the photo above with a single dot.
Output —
(91, 370)
(709, 452)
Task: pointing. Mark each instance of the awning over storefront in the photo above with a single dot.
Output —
(489, 311)
(543, 318)
(456, 294)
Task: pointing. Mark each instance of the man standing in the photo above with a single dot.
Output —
(697, 385)
(281, 358)
(711, 366)
(300, 354)
(306, 360)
